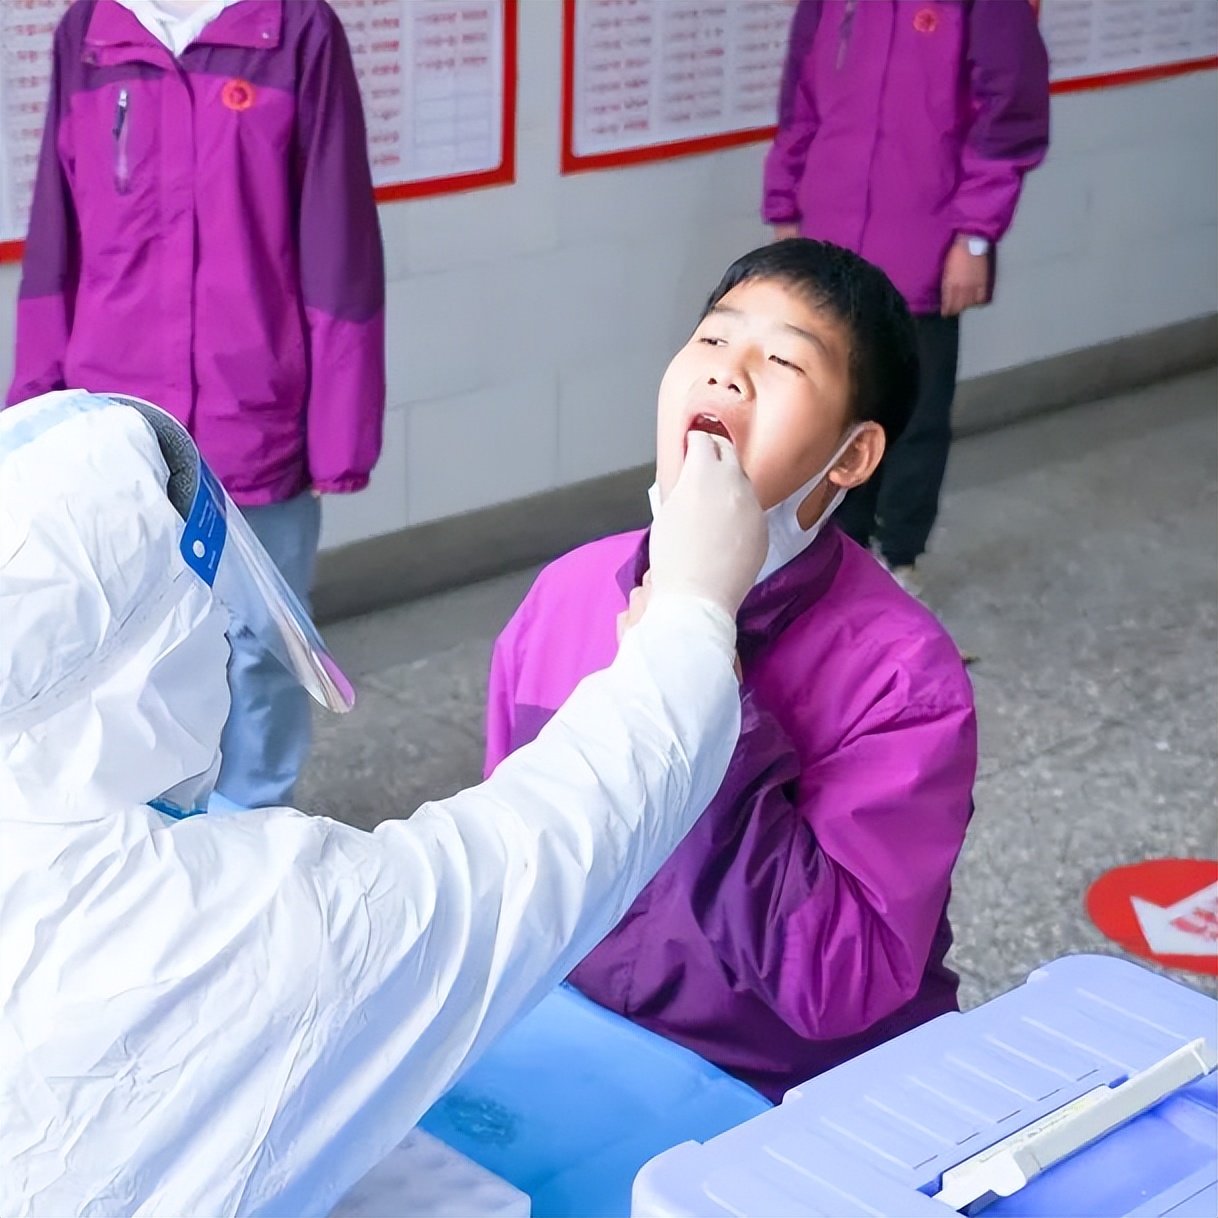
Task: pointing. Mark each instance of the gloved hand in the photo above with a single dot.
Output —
(709, 538)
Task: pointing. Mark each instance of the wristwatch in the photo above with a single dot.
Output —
(978, 246)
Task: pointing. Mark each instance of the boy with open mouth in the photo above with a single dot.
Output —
(804, 918)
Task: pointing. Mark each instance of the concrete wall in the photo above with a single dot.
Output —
(529, 324)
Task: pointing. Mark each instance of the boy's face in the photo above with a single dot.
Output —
(772, 373)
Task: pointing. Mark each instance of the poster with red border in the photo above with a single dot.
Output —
(1096, 44)
(648, 80)
(27, 28)
(438, 80)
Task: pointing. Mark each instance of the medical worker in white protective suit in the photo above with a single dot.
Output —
(242, 1014)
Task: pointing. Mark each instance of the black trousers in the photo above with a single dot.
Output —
(898, 506)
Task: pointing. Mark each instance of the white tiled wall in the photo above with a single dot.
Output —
(381, 507)
(529, 325)
(478, 449)
(1116, 231)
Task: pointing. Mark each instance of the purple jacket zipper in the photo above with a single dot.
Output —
(122, 173)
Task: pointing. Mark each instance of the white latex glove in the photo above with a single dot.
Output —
(709, 538)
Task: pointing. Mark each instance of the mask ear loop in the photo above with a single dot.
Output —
(814, 485)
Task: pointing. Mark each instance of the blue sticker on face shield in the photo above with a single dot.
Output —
(206, 528)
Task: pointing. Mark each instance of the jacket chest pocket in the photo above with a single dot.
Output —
(113, 150)
(116, 140)
(121, 138)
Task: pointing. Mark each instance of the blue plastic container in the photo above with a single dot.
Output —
(573, 1100)
(875, 1135)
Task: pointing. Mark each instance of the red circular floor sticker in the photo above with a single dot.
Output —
(1163, 909)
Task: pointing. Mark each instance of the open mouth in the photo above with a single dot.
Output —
(711, 425)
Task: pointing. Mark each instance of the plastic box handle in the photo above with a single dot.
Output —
(1005, 1167)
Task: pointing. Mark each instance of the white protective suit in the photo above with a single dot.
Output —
(245, 1013)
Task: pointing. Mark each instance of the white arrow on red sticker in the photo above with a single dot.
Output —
(1187, 928)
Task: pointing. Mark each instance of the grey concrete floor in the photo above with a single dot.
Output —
(1076, 557)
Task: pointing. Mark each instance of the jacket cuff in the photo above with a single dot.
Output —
(348, 484)
(778, 215)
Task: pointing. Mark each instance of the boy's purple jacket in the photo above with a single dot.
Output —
(803, 919)
(204, 235)
(903, 123)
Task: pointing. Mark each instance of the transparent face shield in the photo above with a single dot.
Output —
(221, 548)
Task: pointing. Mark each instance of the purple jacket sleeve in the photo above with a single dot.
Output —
(50, 269)
(797, 120)
(1009, 79)
(846, 888)
(501, 692)
(342, 270)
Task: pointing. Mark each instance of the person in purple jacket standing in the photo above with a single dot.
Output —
(204, 235)
(905, 128)
(804, 918)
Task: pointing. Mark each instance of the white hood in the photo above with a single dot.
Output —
(112, 655)
(112, 652)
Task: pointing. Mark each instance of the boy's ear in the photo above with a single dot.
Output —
(861, 459)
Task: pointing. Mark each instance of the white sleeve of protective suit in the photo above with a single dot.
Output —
(500, 891)
(244, 1014)
(481, 903)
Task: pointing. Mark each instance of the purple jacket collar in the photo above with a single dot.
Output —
(115, 34)
(773, 604)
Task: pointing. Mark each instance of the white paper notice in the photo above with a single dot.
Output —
(661, 71)
(431, 73)
(1102, 37)
(26, 31)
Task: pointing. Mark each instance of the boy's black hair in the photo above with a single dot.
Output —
(883, 343)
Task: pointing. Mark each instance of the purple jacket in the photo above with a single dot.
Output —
(803, 919)
(903, 123)
(204, 234)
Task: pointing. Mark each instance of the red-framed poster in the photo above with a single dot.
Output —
(1096, 44)
(438, 79)
(646, 80)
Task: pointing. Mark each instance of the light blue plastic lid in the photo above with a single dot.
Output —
(875, 1135)
(573, 1100)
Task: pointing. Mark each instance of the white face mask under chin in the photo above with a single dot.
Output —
(787, 538)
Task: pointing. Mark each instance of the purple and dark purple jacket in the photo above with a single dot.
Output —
(903, 123)
(804, 918)
(204, 234)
